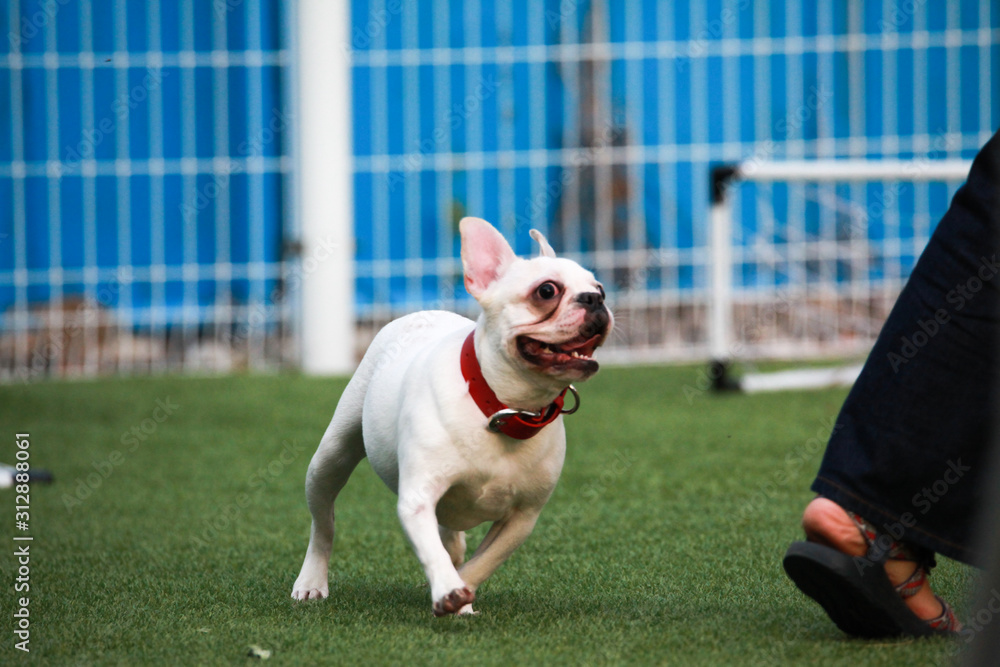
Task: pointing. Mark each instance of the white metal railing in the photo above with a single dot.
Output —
(594, 121)
(144, 182)
(597, 122)
(850, 243)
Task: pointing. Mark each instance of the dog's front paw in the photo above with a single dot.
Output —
(454, 601)
(313, 581)
(310, 588)
(315, 593)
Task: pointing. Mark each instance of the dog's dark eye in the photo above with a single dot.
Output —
(600, 288)
(547, 290)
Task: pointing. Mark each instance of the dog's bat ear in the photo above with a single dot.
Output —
(544, 249)
(485, 254)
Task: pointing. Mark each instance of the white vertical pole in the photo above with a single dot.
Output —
(721, 297)
(325, 178)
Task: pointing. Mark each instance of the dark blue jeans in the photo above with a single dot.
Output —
(910, 448)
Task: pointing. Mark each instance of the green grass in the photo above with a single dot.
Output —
(661, 545)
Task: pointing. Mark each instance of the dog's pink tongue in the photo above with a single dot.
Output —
(589, 343)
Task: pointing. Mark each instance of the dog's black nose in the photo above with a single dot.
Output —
(591, 300)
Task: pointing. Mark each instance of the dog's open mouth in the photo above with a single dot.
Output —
(576, 353)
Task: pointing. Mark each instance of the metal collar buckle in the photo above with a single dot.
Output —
(499, 419)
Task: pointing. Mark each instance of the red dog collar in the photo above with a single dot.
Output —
(517, 424)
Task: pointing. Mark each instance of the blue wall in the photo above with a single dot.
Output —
(139, 90)
(688, 84)
(459, 108)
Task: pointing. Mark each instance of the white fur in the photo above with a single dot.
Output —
(408, 409)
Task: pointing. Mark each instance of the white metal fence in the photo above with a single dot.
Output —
(143, 187)
(819, 280)
(600, 122)
(165, 203)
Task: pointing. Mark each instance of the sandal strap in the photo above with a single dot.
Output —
(912, 585)
(924, 558)
(946, 622)
(897, 550)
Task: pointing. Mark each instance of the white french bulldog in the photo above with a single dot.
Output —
(462, 419)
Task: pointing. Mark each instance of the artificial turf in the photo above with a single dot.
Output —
(661, 545)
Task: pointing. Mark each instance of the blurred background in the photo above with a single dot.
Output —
(250, 184)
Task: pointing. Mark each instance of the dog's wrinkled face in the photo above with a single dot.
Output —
(553, 316)
(547, 313)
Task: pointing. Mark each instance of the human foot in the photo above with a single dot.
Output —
(868, 584)
(826, 522)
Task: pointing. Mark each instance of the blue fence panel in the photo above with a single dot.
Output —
(142, 166)
(598, 122)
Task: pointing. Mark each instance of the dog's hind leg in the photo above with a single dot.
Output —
(454, 544)
(339, 452)
(501, 540)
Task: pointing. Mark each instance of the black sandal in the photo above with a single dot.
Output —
(856, 592)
